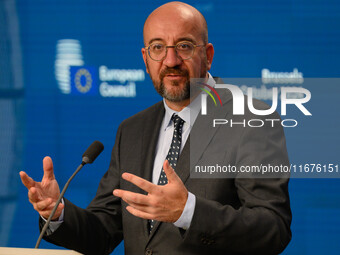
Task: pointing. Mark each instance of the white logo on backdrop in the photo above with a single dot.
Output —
(112, 82)
(68, 54)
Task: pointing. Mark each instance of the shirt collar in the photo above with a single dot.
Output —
(189, 113)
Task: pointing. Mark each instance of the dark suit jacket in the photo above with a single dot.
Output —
(232, 215)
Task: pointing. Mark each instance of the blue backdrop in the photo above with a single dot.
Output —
(71, 71)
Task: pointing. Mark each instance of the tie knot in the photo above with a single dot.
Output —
(178, 122)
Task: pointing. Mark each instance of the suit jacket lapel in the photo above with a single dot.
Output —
(201, 134)
(150, 134)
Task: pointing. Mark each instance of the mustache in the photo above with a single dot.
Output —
(173, 70)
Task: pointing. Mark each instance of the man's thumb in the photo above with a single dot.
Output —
(169, 171)
(48, 168)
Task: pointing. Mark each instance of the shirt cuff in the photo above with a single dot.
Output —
(185, 220)
(54, 225)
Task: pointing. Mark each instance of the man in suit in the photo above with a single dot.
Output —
(155, 206)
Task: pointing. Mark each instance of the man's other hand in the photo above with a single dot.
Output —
(162, 203)
(43, 195)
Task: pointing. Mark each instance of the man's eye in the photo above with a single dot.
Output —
(157, 47)
(184, 46)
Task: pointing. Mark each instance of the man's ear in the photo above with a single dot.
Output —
(144, 53)
(210, 54)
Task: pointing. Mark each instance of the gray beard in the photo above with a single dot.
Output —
(172, 97)
(182, 95)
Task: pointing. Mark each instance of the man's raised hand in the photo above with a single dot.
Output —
(43, 195)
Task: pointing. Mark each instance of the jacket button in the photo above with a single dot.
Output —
(204, 240)
(211, 242)
(148, 252)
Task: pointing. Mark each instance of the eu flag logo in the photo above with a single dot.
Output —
(84, 80)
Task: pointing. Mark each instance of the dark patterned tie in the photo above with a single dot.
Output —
(173, 154)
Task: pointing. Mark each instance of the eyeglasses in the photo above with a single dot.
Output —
(158, 51)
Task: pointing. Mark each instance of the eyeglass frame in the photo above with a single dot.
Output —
(173, 46)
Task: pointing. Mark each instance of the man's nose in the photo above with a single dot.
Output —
(172, 59)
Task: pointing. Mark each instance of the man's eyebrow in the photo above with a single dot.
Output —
(155, 39)
(188, 39)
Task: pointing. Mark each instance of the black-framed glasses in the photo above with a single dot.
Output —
(158, 51)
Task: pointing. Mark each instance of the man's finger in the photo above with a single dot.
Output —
(143, 208)
(170, 172)
(139, 213)
(44, 204)
(33, 195)
(26, 180)
(48, 169)
(46, 213)
(139, 182)
(59, 208)
(132, 197)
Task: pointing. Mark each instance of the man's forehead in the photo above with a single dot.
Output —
(172, 30)
(171, 12)
(173, 20)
